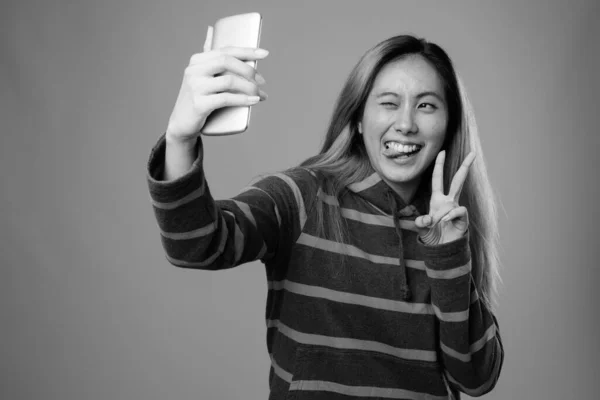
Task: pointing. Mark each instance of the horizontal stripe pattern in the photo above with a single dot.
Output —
(352, 298)
(367, 218)
(172, 205)
(195, 234)
(211, 258)
(457, 316)
(374, 239)
(364, 391)
(353, 368)
(227, 232)
(484, 387)
(373, 370)
(341, 298)
(449, 273)
(354, 275)
(350, 250)
(352, 344)
(366, 183)
(345, 249)
(312, 316)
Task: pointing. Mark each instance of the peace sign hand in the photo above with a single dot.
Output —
(446, 221)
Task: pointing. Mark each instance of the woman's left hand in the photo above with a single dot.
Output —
(446, 221)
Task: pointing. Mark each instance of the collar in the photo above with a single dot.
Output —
(376, 191)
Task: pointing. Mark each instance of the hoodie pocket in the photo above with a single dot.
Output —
(321, 373)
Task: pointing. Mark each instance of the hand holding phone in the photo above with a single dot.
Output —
(241, 31)
(217, 78)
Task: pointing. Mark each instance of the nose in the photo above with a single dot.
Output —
(405, 120)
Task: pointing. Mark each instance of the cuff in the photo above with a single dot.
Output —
(165, 191)
(446, 255)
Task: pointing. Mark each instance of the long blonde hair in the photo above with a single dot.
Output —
(343, 159)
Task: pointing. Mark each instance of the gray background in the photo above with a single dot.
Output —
(89, 307)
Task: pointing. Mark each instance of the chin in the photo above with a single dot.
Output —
(398, 177)
(399, 173)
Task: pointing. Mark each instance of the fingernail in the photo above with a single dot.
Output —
(261, 52)
(253, 99)
(263, 94)
(259, 79)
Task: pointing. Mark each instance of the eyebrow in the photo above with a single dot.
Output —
(420, 95)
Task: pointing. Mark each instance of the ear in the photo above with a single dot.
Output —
(360, 128)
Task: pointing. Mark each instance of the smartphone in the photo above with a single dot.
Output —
(241, 30)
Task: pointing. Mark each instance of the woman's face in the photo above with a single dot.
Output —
(404, 122)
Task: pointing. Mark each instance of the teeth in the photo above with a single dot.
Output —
(402, 148)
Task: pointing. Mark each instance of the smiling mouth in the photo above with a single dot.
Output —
(395, 149)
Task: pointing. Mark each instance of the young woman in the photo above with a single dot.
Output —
(380, 251)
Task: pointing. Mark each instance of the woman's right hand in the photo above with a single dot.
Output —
(212, 80)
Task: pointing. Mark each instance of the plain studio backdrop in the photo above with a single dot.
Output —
(89, 306)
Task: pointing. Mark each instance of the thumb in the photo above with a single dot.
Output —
(426, 228)
(423, 221)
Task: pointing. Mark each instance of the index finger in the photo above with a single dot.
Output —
(437, 177)
(461, 176)
(245, 53)
(240, 53)
(224, 64)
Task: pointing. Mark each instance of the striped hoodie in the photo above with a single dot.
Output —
(377, 316)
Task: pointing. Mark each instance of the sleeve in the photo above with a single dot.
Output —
(261, 223)
(470, 343)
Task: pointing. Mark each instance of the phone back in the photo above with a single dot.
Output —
(241, 30)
